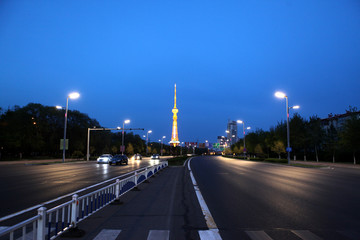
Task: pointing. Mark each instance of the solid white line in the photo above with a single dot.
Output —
(258, 235)
(158, 235)
(213, 232)
(107, 234)
(305, 235)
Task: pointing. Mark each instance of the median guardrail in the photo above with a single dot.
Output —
(51, 223)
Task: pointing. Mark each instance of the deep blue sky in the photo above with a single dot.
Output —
(226, 57)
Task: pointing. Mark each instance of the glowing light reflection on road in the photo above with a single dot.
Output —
(104, 167)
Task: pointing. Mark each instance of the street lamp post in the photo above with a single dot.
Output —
(283, 95)
(147, 141)
(162, 141)
(122, 142)
(73, 95)
(243, 123)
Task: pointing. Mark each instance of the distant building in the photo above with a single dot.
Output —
(337, 120)
(232, 132)
(221, 140)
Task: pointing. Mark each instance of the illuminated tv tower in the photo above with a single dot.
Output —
(174, 134)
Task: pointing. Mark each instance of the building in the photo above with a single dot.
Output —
(222, 142)
(338, 120)
(232, 132)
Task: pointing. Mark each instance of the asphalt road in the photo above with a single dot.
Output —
(25, 185)
(283, 202)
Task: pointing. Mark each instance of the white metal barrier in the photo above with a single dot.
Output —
(50, 223)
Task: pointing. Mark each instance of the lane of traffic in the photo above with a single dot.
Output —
(246, 196)
(24, 186)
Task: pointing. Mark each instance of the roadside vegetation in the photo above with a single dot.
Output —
(177, 161)
(34, 132)
(308, 140)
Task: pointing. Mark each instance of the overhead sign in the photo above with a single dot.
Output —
(216, 145)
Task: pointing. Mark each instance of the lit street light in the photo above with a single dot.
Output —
(162, 141)
(147, 141)
(248, 128)
(73, 95)
(122, 142)
(283, 95)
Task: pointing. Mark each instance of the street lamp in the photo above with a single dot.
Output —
(248, 128)
(122, 142)
(73, 95)
(147, 140)
(283, 95)
(162, 141)
(181, 147)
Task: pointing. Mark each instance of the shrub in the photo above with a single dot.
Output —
(77, 154)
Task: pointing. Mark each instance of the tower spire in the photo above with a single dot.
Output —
(175, 97)
(174, 134)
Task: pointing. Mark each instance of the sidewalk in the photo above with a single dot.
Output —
(164, 208)
(327, 164)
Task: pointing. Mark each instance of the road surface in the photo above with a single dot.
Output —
(254, 199)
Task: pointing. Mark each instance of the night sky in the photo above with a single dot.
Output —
(227, 59)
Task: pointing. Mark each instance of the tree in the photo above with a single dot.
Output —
(235, 149)
(258, 150)
(130, 149)
(227, 151)
(331, 141)
(299, 139)
(350, 136)
(315, 133)
(114, 149)
(278, 148)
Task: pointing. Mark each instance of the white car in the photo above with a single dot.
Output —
(105, 158)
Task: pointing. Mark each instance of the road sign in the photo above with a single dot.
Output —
(122, 148)
(245, 150)
(62, 144)
(288, 149)
(216, 145)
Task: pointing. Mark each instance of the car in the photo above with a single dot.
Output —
(137, 156)
(105, 158)
(119, 159)
(155, 156)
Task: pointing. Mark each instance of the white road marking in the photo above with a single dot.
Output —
(158, 235)
(305, 235)
(258, 235)
(213, 232)
(107, 234)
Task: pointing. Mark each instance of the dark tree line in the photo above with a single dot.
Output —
(308, 140)
(34, 131)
